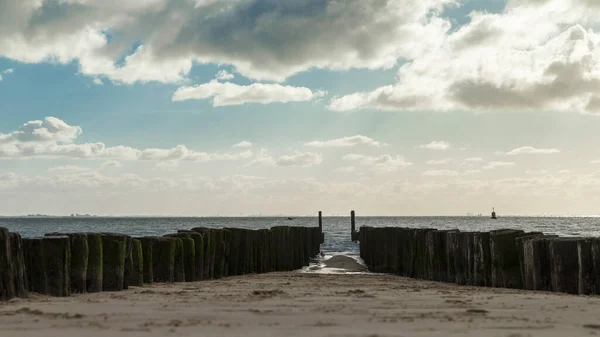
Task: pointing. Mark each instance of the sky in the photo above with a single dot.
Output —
(267, 107)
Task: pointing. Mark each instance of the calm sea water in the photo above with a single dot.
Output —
(337, 229)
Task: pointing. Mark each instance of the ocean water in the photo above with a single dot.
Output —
(336, 229)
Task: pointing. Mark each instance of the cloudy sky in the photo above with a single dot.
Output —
(231, 107)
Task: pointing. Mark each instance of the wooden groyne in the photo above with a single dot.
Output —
(59, 264)
(505, 258)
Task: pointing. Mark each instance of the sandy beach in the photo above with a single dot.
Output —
(304, 304)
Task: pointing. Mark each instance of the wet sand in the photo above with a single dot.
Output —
(302, 304)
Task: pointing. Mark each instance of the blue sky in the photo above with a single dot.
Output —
(387, 107)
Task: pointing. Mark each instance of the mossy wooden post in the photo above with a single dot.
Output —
(506, 270)
(408, 255)
(136, 276)
(198, 268)
(178, 260)
(585, 275)
(163, 259)
(113, 261)
(128, 261)
(451, 251)
(185, 258)
(234, 250)
(209, 252)
(79, 262)
(226, 238)
(36, 273)
(482, 261)
(219, 261)
(18, 263)
(538, 262)
(595, 251)
(189, 258)
(565, 265)
(147, 258)
(56, 252)
(94, 275)
(522, 243)
(7, 277)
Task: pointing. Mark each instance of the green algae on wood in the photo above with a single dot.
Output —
(79, 260)
(189, 258)
(128, 261)
(94, 274)
(36, 273)
(147, 249)
(199, 253)
(113, 261)
(56, 261)
(18, 264)
(136, 276)
(7, 277)
(163, 259)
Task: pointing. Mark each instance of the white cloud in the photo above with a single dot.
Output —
(441, 173)
(181, 152)
(68, 169)
(474, 159)
(531, 150)
(534, 56)
(345, 169)
(597, 161)
(224, 94)
(346, 142)
(439, 162)
(98, 81)
(384, 163)
(6, 72)
(295, 159)
(224, 75)
(244, 144)
(278, 40)
(497, 164)
(111, 164)
(53, 138)
(441, 146)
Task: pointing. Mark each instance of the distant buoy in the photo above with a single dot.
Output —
(493, 213)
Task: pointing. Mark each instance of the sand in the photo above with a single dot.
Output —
(304, 304)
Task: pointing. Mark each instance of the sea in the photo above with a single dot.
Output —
(336, 229)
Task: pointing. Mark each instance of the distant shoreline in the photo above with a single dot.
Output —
(285, 216)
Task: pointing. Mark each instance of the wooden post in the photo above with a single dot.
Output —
(321, 227)
(353, 226)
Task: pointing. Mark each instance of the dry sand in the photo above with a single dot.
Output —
(302, 304)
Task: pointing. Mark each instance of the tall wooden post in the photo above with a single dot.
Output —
(321, 226)
(321, 221)
(353, 226)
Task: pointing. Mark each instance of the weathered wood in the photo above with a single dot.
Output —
(56, 260)
(506, 269)
(114, 247)
(482, 260)
(163, 259)
(136, 276)
(128, 266)
(7, 272)
(199, 253)
(209, 251)
(147, 258)
(18, 265)
(95, 271)
(79, 260)
(33, 252)
(565, 265)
